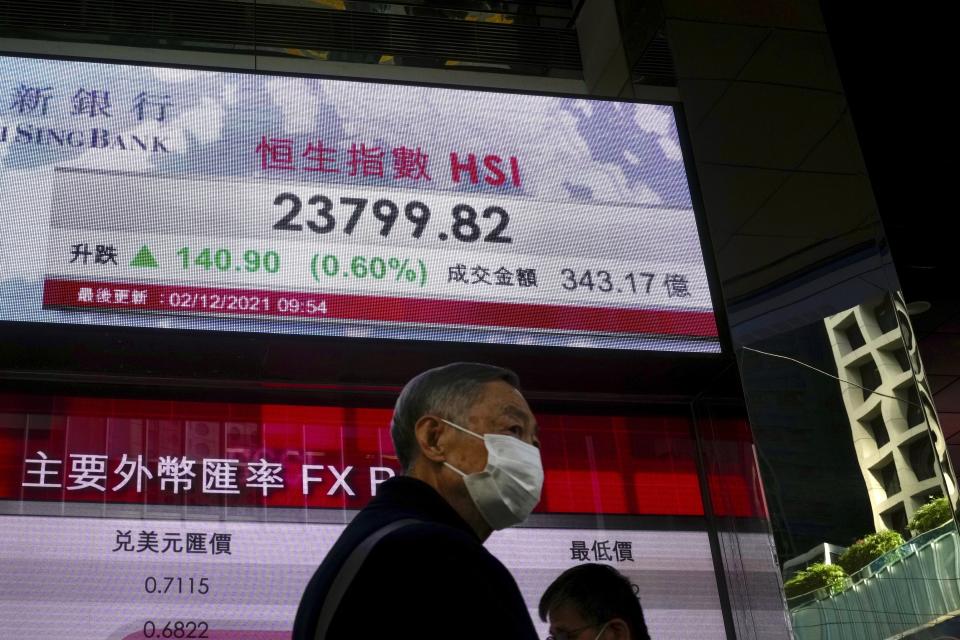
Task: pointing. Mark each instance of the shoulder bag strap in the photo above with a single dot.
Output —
(349, 571)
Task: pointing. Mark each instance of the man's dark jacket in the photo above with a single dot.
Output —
(428, 580)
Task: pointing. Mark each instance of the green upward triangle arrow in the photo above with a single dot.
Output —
(144, 259)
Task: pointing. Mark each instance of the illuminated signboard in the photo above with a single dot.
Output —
(185, 518)
(159, 197)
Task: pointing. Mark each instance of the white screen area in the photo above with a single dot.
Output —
(206, 200)
(79, 578)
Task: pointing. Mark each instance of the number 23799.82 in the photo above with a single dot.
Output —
(464, 225)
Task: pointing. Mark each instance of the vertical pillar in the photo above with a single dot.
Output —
(606, 70)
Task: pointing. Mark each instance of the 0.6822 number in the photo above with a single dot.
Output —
(464, 227)
(176, 629)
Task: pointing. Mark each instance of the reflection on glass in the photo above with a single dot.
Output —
(899, 575)
(857, 475)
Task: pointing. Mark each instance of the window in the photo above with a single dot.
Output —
(879, 430)
(870, 378)
(911, 405)
(854, 336)
(890, 480)
(930, 415)
(886, 316)
(927, 496)
(902, 359)
(896, 519)
(907, 332)
(922, 459)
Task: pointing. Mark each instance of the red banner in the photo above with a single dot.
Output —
(225, 454)
(76, 294)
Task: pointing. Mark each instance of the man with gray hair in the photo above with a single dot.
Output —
(412, 563)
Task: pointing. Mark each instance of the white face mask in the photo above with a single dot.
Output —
(508, 489)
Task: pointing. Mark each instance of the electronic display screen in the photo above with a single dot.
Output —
(221, 201)
(133, 519)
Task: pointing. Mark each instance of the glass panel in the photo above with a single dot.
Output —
(151, 476)
(856, 473)
(744, 540)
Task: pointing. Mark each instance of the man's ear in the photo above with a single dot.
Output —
(617, 629)
(428, 431)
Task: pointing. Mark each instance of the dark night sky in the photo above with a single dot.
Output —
(893, 60)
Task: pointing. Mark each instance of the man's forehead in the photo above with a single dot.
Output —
(508, 400)
(521, 413)
(565, 617)
(517, 411)
(501, 391)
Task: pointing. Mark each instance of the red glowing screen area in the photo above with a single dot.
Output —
(222, 454)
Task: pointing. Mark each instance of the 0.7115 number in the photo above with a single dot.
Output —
(176, 584)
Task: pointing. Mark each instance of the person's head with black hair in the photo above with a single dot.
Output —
(593, 602)
(467, 431)
(449, 392)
